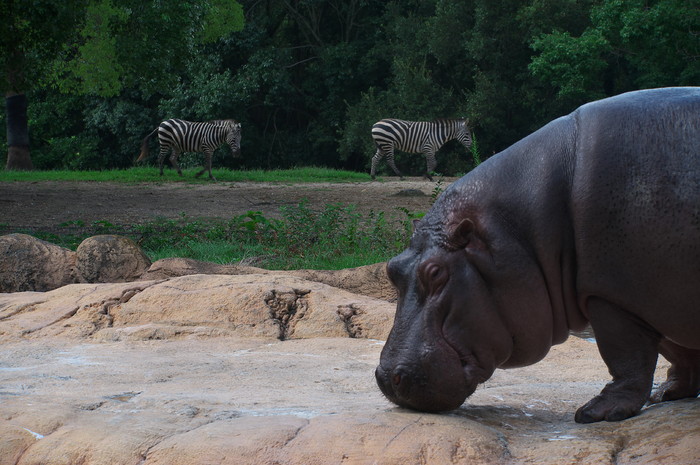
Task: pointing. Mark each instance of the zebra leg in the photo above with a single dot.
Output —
(431, 164)
(375, 159)
(390, 161)
(207, 166)
(173, 161)
(161, 157)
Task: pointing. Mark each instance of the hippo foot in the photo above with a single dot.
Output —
(682, 378)
(607, 407)
(674, 390)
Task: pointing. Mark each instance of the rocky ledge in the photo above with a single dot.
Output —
(272, 369)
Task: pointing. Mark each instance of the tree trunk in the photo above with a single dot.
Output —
(17, 132)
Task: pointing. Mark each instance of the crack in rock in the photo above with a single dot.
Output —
(65, 316)
(286, 309)
(20, 309)
(348, 313)
(619, 445)
(126, 296)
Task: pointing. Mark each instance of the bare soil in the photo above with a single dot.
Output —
(43, 205)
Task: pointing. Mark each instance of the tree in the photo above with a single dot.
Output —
(101, 49)
(31, 33)
(630, 44)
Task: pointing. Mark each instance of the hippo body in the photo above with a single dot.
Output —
(593, 218)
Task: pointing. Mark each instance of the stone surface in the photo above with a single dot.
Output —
(30, 264)
(261, 369)
(370, 280)
(267, 306)
(110, 259)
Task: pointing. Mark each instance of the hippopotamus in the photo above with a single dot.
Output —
(594, 218)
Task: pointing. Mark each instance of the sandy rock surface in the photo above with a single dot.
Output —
(369, 280)
(266, 369)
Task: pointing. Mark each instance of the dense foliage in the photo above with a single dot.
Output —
(307, 78)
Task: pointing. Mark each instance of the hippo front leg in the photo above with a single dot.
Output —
(629, 349)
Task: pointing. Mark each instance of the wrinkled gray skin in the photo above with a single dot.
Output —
(593, 218)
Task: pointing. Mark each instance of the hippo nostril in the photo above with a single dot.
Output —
(396, 379)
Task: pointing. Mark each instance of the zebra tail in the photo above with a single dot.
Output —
(144, 146)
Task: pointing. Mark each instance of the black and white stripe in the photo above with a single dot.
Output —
(424, 137)
(187, 136)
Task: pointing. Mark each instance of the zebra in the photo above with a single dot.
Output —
(416, 137)
(187, 136)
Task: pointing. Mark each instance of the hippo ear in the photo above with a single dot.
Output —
(465, 235)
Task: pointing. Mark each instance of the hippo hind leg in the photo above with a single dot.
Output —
(629, 348)
(683, 378)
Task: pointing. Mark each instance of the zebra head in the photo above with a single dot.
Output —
(463, 134)
(233, 136)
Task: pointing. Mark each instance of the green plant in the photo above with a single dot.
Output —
(474, 149)
(437, 188)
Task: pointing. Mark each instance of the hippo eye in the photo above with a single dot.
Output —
(432, 277)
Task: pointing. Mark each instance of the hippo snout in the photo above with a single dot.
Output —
(410, 389)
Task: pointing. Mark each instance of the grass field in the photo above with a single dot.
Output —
(333, 237)
(151, 174)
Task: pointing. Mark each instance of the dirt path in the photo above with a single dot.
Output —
(42, 205)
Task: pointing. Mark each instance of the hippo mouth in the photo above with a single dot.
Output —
(442, 382)
(474, 374)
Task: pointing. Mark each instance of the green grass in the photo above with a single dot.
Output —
(334, 237)
(151, 174)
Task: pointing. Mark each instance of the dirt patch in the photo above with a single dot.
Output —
(40, 205)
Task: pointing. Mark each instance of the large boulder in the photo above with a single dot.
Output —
(268, 306)
(110, 259)
(30, 264)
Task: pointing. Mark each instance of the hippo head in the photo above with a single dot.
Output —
(462, 298)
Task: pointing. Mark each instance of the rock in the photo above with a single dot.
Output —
(263, 369)
(268, 306)
(30, 264)
(314, 401)
(369, 280)
(172, 267)
(110, 259)
(410, 193)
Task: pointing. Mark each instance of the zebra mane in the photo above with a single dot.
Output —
(223, 122)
